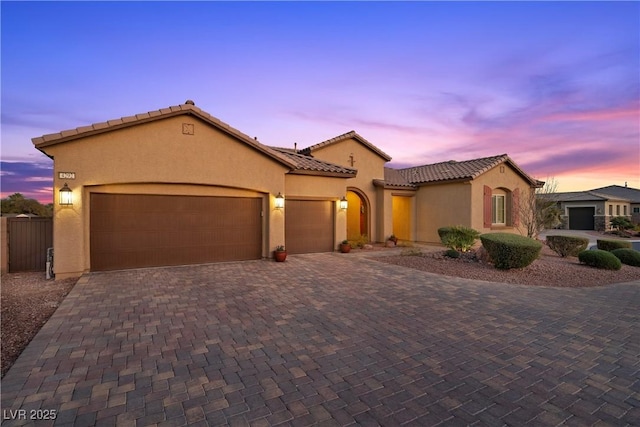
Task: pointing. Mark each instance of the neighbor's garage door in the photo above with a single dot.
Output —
(581, 218)
(308, 226)
(130, 231)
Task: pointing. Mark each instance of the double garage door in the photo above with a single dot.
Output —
(133, 230)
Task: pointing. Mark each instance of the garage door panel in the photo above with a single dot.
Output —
(309, 226)
(129, 231)
(582, 218)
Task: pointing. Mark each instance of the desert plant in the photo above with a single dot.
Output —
(567, 245)
(600, 259)
(627, 256)
(510, 250)
(609, 245)
(452, 253)
(458, 237)
(621, 223)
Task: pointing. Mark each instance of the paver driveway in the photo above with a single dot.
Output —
(329, 339)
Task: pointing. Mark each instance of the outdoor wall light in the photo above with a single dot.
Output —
(279, 201)
(66, 195)
(344, 203)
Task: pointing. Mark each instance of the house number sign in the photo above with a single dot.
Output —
(66, 175)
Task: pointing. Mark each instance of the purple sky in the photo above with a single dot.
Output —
(553, 84)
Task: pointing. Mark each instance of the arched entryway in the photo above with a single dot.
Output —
(357, 215)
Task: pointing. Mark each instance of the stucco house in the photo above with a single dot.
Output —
(178, 186)
(594, 209)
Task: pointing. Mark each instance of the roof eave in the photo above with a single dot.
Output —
(43, 142)
(382, 184)
(322, 173)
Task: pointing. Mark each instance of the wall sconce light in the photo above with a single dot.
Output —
(344, 203)
(66, 195)
(279, 201)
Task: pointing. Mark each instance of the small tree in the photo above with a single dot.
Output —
(538, 209)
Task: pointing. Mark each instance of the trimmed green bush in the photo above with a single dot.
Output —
(600, 259)
(627, 256)
(609, 245)
(452, 253)
(567, 245)
(510, 250)
(458, 237)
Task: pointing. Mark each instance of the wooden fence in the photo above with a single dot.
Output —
(28, 240)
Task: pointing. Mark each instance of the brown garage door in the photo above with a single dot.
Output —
(308, 226)
(133, 230)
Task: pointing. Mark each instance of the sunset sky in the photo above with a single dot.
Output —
(553, 84)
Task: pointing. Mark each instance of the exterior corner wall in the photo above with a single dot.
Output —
(384, 209)
(370, 166)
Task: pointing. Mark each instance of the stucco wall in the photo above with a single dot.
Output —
(154, 157)
(370, 166)
(501, 177)
(403, 224)
(440, 206)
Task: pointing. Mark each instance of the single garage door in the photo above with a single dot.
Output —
(308, 226)
(134, 230)
(581, 218)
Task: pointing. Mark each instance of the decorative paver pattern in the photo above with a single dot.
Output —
(329, 339)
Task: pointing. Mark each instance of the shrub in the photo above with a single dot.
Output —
(600, 259)
(452, 253)
(458, 237)
(510, 250)
(567, 245)
(609, 245)
(621, 223)
(627, 256)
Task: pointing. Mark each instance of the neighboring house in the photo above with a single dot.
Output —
(593, 209)
(178, 186)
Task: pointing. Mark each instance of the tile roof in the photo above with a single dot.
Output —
(451, 170)
(352, 134)
(584, 196)
(306, 164)
(187, 108)
(394, 179)
(618, 191)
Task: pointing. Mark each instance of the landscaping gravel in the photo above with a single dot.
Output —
(548, 270)
(28, 300)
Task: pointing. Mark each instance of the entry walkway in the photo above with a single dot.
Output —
(328, 339)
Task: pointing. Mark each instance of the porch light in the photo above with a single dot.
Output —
(344, 203)
(66, 195)
(279, 201)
